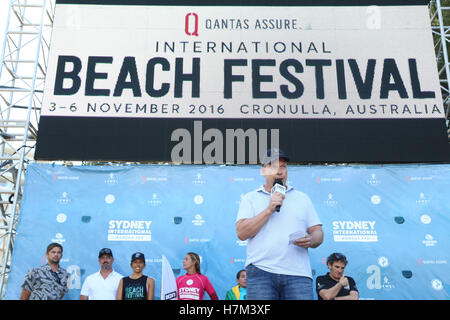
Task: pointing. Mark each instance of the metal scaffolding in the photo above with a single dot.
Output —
(439, 10)
(23, 66)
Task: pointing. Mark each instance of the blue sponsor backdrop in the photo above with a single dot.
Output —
(391, 221)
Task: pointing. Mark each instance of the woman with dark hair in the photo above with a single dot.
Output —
(193, 284)
(238, 292)
(137, 286)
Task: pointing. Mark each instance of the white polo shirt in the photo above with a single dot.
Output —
(269, 249)
(97, 288)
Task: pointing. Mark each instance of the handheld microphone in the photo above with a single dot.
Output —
(278, 187)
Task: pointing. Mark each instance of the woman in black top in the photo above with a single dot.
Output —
(136, 286)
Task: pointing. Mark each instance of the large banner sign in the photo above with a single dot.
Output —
(214, 82)
(390, 221)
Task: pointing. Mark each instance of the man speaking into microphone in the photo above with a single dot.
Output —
(281, 225)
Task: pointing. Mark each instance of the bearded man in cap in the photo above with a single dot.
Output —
(103, 284)
(281, 225)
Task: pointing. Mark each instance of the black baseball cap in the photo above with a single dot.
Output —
(138, 255)
(105, 251)
(274, 154)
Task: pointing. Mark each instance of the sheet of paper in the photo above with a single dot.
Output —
(296, 235)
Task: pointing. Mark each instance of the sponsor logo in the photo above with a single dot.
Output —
(154, 201)
(375, 199)
(59, 238)
(331, 202)
(377, 279)
(129, 230)
(191, 240)
(64, 199)
(110, 198)
(429, 241)
(373, 181)
(387, 284)
(422, 199)
(153, 179)
(422, 262)
(383, 262)
(62, 177)
(170, 295)
(191, 24)
(198, 199)
(61, 217)
(425, 219)
(328, 179)
(399, 220)
(354, 231)
(410, 178)
(198, 180)
(189, 293)
(177, 220)
(198, 221)
(111, 180)
(241, 179)
(241, 243)
(436, 284)
(236, 260)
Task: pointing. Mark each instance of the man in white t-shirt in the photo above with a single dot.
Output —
(278, 266)
(103, 284)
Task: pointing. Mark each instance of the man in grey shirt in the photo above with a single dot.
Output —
(48, 282)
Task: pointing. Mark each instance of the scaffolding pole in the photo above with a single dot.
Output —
(22, 73)
(441, 37)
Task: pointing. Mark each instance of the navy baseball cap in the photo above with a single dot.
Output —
(105, 251)
(138, 255)
(274, 154)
